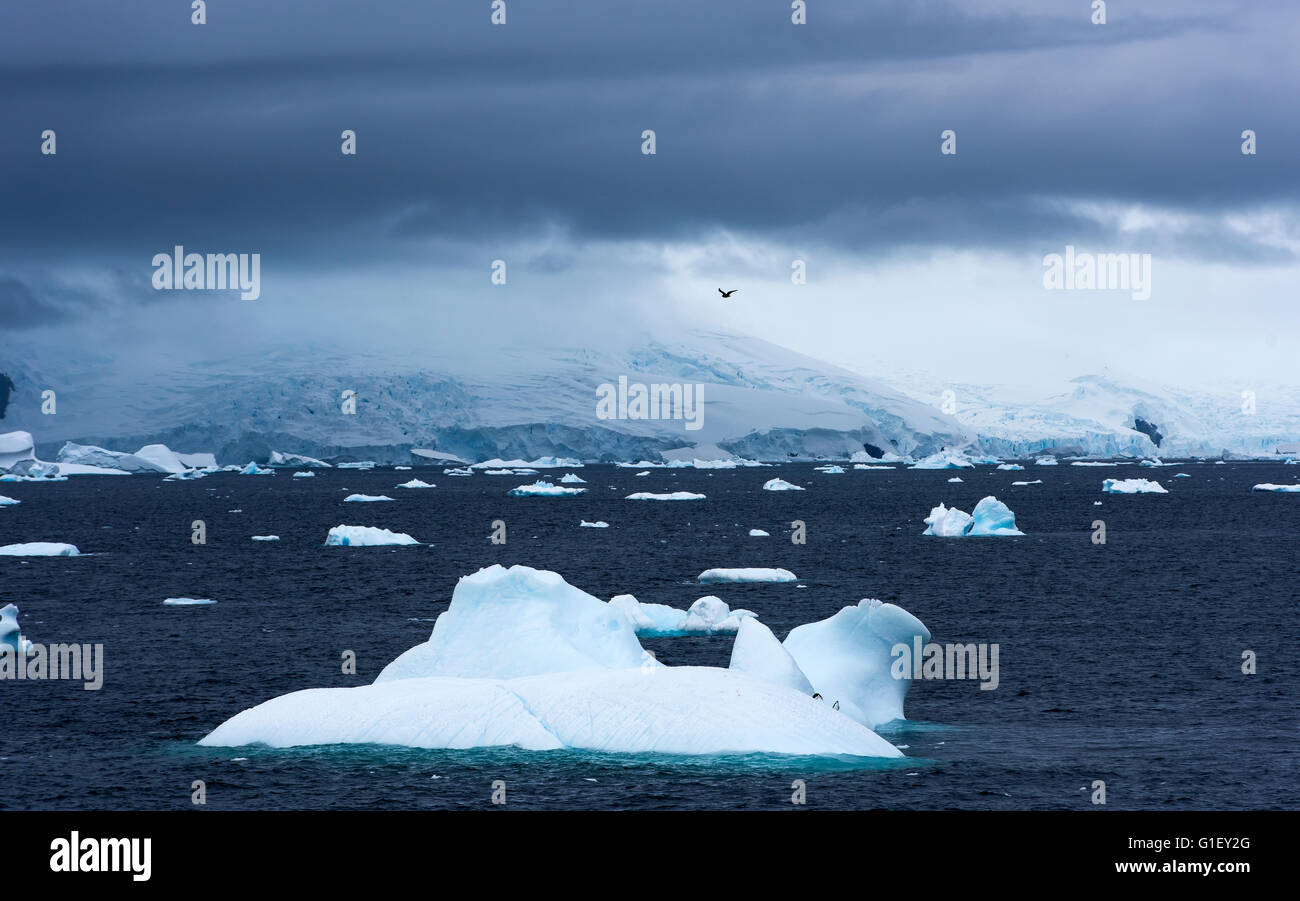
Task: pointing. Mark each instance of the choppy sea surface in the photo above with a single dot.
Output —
(1119, 662)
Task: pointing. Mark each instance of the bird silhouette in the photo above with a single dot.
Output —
(726, 294)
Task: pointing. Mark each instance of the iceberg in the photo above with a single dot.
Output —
(1010, 467)
(8, 501)
(539, 463)
(365, 536)
(457, 471)
(1269, 486)
(780, 485)
(521, 658)
(947, 522)
(266, 537)
(417, 483)
(848, 658)
(188, 602)
(39, 549)
(707, 616)
(571, 479)
(10, 633)
(252, 469)
(544, 489)
(753, 574)
(759, 653)
(955, 479)
(1046, 461)
(161, 457)
(868, 466)
(990, 518)
(1025, 484)
(186, 475)
(433, 456)
(671, 496)
(293, 461)
(758, 533)
(598, 524)
(830, 470)
(503, 623)
(365, 498)
(304, 475)
(1132, 486)
(944, 460)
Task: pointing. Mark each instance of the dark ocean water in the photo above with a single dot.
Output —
(1119, 662)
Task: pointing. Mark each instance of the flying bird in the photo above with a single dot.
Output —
(726, 294)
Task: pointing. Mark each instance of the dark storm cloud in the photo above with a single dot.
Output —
(225, 137)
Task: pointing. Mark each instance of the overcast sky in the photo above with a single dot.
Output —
(775, 142)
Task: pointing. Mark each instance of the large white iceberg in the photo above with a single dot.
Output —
(365, 536)
(848, 658)
(522, 658)
(1132, 486)
(781, 485)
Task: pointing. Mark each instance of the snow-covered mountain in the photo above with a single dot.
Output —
(1105, 415)
(758, 401)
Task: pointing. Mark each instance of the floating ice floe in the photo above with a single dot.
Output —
(544, 489)
(500, 472)
(457, 471)
(849, 656)
(304, 475)
(830, 469)
(365, 536)
(955, 479)
(40, 549)
(266, 537)
(1010, 467)
(76, 459)
(1092, 463)
(8, 501)
(1023, 484)
(1269, 486)
(416, 483)
(1132, 486)
(598, 524)
(521, 658)
(944, 460)
(644, 472)
(10, 633)
(365, 498)
(363, 464)
(1046, 461)
(781, 485)
(868, 466)
(670, 496)
(252, 469)
(188, 602)
(186, 475)
(990, 518)
(1181, 475)
(570, 479)
(758, 533)
(750, 574)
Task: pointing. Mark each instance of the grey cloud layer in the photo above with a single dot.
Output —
(225, 137)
